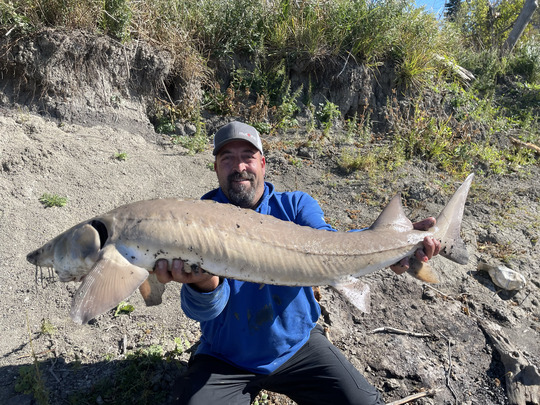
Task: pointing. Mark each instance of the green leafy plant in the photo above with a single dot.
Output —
(123, 308)
(195, 143)
(121, 156)
(327, 114)
(116, 18)
(47, 328)
(288, 108)
(30, 380)
(135, 381)
(52, 200)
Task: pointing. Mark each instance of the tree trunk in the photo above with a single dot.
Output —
(519, 26)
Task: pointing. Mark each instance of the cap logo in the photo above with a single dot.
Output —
(245, 134)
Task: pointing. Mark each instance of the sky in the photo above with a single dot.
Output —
(437, 6)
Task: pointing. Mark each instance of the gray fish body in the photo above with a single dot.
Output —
(113, 253)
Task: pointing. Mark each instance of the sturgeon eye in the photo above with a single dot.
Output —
(102, 231)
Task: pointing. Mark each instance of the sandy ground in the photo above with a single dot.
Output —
(452, 354)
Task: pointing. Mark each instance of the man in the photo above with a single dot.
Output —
(263, 337)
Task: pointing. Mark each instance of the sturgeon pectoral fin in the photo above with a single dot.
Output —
(422, 271)
(152, 290)
(356, 292)
(111, 280)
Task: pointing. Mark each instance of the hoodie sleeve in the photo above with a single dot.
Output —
(204, 306)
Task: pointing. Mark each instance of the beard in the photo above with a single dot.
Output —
(242, 195)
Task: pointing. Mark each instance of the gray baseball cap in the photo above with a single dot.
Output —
(237, 131)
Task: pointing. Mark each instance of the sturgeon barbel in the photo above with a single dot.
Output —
(114, 253)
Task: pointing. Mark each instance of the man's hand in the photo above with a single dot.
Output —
(431, 247)
(200, 280)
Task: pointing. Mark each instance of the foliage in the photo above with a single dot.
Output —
(262, 43)
(288, 108)
(47, 328)
(116, 18)
(327, 114)
(526, 60)
(30, 381)
(121, 156)
(52, 200)
(123, 308)
(484, 24)
(134, 382)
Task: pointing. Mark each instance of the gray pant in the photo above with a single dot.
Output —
(317, 374)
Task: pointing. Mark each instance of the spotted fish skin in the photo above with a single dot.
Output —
(114, 253)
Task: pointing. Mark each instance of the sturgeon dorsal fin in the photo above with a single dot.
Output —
(111, 280)
(393, 217)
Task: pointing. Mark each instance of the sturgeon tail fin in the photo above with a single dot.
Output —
(449, 222)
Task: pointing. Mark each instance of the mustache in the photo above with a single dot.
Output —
(241, 176)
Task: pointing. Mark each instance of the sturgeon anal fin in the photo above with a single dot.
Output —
(111, 280)
(356, 292)
(152, 290)
(422, 271)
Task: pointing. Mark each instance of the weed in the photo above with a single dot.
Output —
(116, 19)
(123, 308)
(47, 328)
(121, 156)
(14, 18)
(52, 200)
(135, 381)
(378, 159)
(262, 399)
(327, 114)
(195, 143)
(262, 127)
(288, 108)
(30, 380)
(180, 346)
(295, 161)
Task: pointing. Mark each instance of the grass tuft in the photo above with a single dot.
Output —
(52, 200)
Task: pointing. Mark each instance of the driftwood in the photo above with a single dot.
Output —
(522, 378)
(465, 75)
(527, 145)
(413, 397)
(388, 329)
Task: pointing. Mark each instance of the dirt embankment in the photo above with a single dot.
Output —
(462, 337)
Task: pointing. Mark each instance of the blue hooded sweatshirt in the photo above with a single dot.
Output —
(254, 327)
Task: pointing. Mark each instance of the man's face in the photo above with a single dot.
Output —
(240, 169)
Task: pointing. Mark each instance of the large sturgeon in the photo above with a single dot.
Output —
(113, 253)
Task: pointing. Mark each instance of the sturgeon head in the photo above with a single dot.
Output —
(72, 253)
(82, 254)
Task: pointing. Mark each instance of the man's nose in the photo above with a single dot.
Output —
(239, 166)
